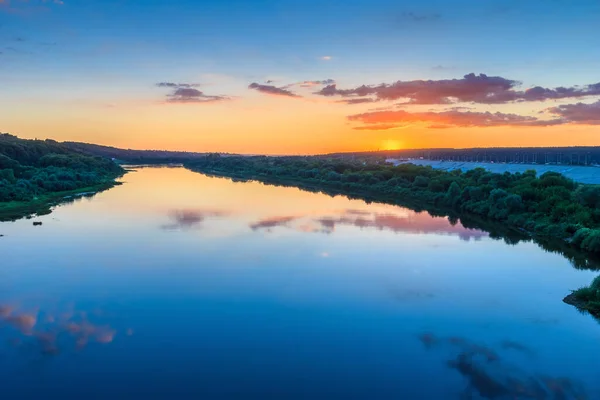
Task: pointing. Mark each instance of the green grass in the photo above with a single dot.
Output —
(587, 298)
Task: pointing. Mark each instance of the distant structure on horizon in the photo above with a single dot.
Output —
(586, 156)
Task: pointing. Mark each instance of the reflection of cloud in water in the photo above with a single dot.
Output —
(490, 377)
(186, 219)
(272, 222)
(43, 331)
(409, 221)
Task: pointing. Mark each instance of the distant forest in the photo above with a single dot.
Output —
(133, 156)
(524, 155)
(32, 168)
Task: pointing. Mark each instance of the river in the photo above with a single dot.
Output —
(180, 285)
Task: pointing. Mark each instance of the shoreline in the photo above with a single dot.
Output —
(43, 204)
(414, 203)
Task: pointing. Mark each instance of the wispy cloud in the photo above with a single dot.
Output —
(326, 58)
(273, 90)
(309, 84)
(187, 93)
(177, 85)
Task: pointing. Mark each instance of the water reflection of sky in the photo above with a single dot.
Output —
(177, 284)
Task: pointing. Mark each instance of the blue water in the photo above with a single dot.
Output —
(178, 285)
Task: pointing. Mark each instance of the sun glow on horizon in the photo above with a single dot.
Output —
(390, 144)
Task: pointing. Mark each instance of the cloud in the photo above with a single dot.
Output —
(358, 101)
(471, 88)
(187, 93)
(391, 119)
(578, 113)
(326, 58)
(177, 85)
(309, 84)
(378, 127)
(273, 90)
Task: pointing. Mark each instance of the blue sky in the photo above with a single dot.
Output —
(110, 51)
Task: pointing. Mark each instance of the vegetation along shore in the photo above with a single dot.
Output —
(549, 208)
(37, 174)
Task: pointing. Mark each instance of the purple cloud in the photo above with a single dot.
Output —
(177, 85)
(381, 120)
(471, 88)
(269, 89)
(578, 113)
(187, 93)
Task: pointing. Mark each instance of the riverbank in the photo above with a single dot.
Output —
(42, 205)
(587, 298)
(510, 234)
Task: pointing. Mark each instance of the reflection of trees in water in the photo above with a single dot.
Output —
(511, 236)
(32, 210)
(490, 377)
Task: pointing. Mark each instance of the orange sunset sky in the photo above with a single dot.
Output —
(278, 78)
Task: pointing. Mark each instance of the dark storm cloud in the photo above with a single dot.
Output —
(273, 90)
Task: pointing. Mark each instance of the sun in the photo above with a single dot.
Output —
(390, 145)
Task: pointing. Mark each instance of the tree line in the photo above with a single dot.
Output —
(30, 168)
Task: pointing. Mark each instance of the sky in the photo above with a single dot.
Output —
(301, 77)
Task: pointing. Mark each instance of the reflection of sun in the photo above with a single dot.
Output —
(391, 145)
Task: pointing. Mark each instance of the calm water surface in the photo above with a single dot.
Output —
(179, 285)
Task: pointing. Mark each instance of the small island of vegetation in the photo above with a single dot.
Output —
(36, 174)
(587, 298)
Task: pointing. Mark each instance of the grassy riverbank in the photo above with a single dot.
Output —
(587, 298)
(37, 174)
(42, 205)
